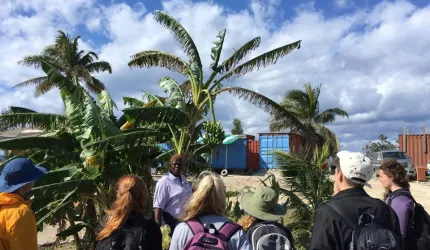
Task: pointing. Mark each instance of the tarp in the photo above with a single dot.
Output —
(229, 139)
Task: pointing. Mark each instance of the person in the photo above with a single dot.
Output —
(394, 179)
(171, 193)
(338, 219)
(261, 213)
(125, 225)
(204, 213)
(17, 221)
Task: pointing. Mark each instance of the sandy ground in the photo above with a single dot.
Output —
(420, 191)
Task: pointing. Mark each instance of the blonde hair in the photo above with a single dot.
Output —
(246, 221)
(132, 195)
(209, 197)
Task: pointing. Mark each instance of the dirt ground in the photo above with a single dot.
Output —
(420, 191)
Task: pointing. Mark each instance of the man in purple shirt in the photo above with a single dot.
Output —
(171, 194)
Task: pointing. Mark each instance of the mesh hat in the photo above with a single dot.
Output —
(356, 167)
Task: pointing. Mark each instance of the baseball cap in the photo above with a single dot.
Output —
(356, 167)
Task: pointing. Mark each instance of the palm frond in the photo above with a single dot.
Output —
(14, 109)
(94, 85)
(152, 58)
(217, 49)
(329, 115)
(32, 82)
(160, 115)
(181, 36)
(35, 61)
(88, 58)
(262, 60)
(100, 66)
(43, 88)
(266, 104)
(239, 54)
(328, 137)
(36, 120)
(133, 102)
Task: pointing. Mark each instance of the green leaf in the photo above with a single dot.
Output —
(73, 229)
(38, 120)
(33, 142)
(106, 102)
(262, 60)
(239, 54)
(217, 49)
(133, 102)
(14, 109)
(167, 84)
(56, 176)
(153, 58)
(181, 36)
(149, 115)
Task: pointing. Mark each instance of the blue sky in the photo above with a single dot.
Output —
(372, 57)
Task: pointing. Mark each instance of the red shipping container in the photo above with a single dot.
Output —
(253, 155)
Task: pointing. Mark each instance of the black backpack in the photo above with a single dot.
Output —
(419, 236)
(126, 238)
(367, 234)
(270, 235)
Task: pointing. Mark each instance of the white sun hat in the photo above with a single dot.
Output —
(356, 167)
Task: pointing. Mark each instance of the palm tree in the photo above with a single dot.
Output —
(203, 92)
(305, 106)
(66, 58)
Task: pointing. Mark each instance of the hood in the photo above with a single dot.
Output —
(10, 199)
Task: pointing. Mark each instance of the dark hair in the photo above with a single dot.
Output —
(395, 170)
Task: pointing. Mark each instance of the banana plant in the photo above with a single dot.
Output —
(203, 92)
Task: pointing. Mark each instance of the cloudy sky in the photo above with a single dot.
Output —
(373, 58)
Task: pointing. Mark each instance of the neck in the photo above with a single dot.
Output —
(394, 187)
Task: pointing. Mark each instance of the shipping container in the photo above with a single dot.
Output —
(288, 142)
(253, 155)
(417, 147)
(235, 153)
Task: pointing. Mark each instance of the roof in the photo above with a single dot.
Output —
(19, 133)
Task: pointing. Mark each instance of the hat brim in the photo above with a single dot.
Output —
(273, 215)
(39, 173)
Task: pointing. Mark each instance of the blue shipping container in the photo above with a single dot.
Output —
(236, 155)
(270, 142)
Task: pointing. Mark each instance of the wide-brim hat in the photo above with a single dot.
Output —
(263, 204)
(18, 173)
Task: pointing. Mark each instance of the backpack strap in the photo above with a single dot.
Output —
(338, 209)
(195, 226)
(401, 193)
(229, 229)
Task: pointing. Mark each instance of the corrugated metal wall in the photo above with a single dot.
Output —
(270, 142)
(415, 148)
(236, 155)
(253, 157)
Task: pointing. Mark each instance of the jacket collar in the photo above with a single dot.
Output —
(172, 177)
(350, 192)
(401, 190)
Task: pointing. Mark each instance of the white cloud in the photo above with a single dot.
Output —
(374, 63)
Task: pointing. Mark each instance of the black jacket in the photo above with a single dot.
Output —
(331, 232)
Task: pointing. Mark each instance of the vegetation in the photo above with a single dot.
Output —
(309, 187)
(382, 144)
(306, 107)
(237, 127)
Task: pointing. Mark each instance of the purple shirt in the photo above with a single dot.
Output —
(171, 194)
(404, 208)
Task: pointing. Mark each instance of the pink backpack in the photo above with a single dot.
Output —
(210, 238)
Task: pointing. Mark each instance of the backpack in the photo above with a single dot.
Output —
(125, 239)
(367, 234)
(210, 238)
(419, 236)
(270, 235)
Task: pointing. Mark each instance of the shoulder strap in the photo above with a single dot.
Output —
(342, 214)
(195, 226)
(402, 193)
(229, 229)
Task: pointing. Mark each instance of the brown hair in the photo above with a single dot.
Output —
(395, 170)
(246, 221)
(209, 197)
(132, 195)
